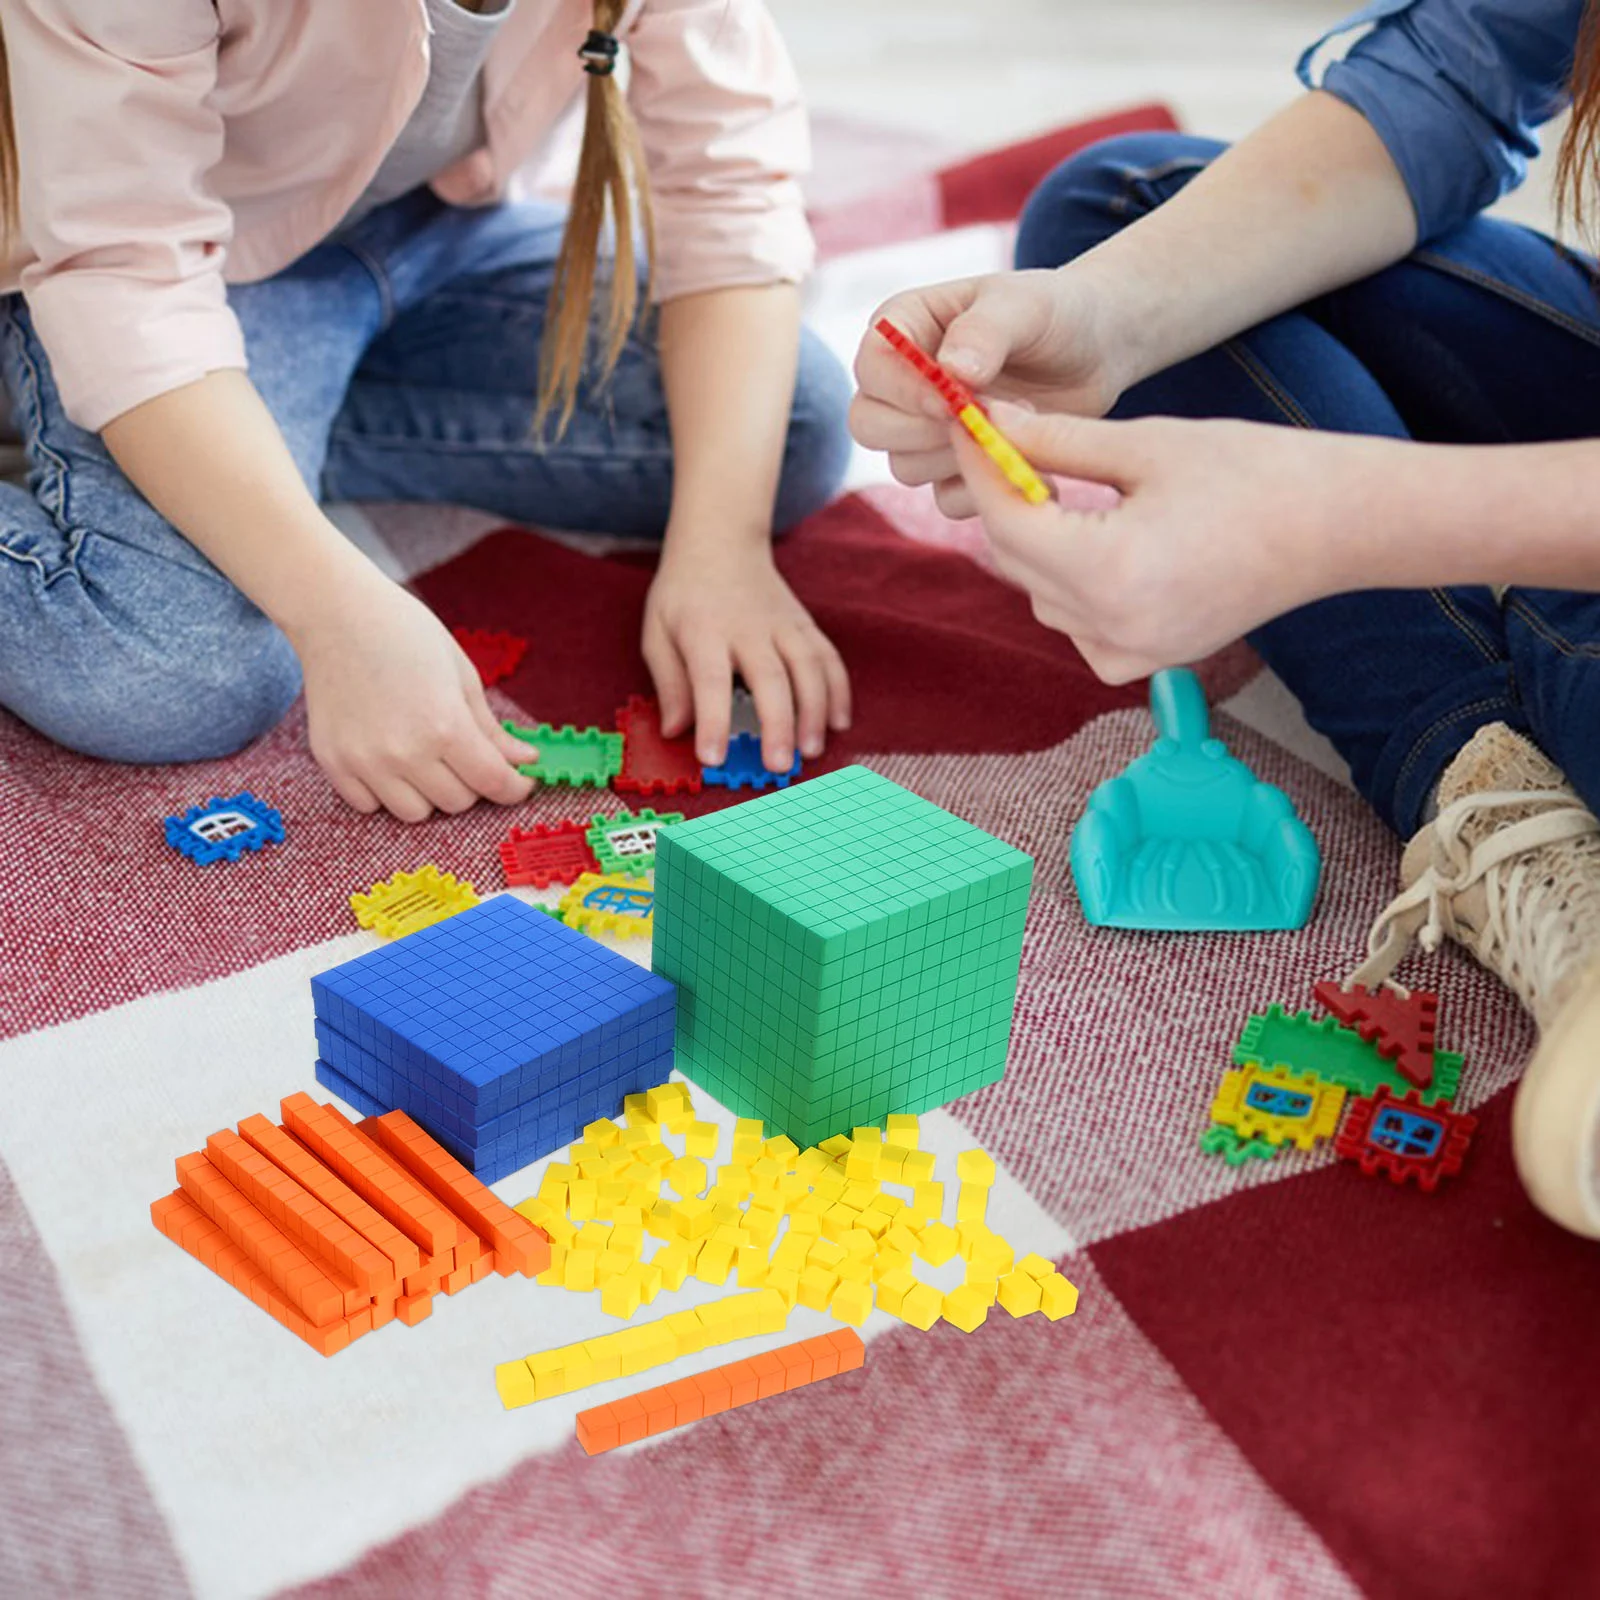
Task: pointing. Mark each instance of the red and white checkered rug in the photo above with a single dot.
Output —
(1283, 1380)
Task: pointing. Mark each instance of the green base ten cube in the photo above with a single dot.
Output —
(843, 949)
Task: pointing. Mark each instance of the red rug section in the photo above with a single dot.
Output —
(1414, 1374)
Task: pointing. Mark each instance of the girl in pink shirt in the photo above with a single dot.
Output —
(263, 253)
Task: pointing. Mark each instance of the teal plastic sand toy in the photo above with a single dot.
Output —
(1188, 838)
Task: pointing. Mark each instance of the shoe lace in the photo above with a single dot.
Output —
(1511, 941)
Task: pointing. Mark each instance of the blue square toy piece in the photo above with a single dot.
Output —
(742, 767)
(501, 1031)
(224, 828)
(1188, 838)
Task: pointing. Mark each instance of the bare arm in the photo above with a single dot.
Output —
(397, 716)
(728, 361)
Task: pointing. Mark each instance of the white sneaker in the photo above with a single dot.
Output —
(1510, 868)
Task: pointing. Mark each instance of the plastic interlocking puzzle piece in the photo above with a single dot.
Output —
(1188, 838)
(1400, 1027)
(1278, 1105)
(742, 767)
(627, 841)
(496, 655)
(1406, 1139)
(652, 764)
(224, 828)
(584, 758)
(1219, 1140)
(610, 902)
(412, 900)
(815, 931)
(547, 853)
(1336, 1054)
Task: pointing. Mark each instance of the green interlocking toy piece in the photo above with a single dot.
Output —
(843, 949)
(627, 841)
(1337, 1055)
(1219, 1140)
(585, 758)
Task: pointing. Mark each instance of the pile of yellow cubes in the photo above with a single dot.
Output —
(850, 1242)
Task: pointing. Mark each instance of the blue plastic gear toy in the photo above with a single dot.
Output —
(224, 828)
(742, 769)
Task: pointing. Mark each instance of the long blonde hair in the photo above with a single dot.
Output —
(611, 181)
(1579, 161)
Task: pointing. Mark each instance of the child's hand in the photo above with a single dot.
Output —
(712, 612)
(397, 713)
(1222, 526)
(1036, 337)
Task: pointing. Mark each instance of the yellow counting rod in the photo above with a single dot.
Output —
(1004, 454)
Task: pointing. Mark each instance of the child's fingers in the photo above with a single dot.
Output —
(802, 657)
(954, 498)
(711, 682)
(444, 788)
(351, 790)
(917, 467)
(840, 704)
(768, 677)
(483, 764)
(399, 798)
(674, 693)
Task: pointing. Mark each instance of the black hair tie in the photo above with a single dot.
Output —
(599, 54)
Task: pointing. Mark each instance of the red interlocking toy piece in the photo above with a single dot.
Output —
(495, 655)
(952, 391)
(539, 856)
(652, 764)
(1404, 1138)
(1401, 1030)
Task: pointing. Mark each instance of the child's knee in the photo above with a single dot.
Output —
(818, 452)
(1085, 200)
(174, 698)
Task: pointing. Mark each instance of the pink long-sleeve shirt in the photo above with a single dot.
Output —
(167, 150)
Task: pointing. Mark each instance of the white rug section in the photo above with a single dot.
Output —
(242, 1430)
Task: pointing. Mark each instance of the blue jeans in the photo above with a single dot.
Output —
(1488, 336)
(399, 360)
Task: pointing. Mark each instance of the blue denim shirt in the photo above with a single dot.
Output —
(1456, 90)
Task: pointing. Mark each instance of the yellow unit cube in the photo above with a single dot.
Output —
(984, 1284)
(649, 1275)
(972, 1203)
(621, 1296)
(825, 1253)
(854, 1269)
(786, 1282)
(860, 1244)
(928, 1198)
(812, 1161)
(581, 1197)
(891, 1205)
(1057, 1297)
(874, 1221)
(636, 1347)
(629, 1216)
(829, 1185)
(678, 1120)
(749, 1128)
(662, 1099)
(764, 1175)
(893, 1287)
(642, 1197)
(838, 1220)
(734, 1176)
(725, 1214)
(1035, 1266)
(659, 1345)
(582, 1150)
(602, 1134)
(891, 1164)
(937, 1244)
(638, 1137)
(816, 1287)
(658, 1221)
(514, 1383)
(807, 1224)
(837, 1146)
(792, 1189)
(608, 1265)
(673, 1264)
(693, 1218)
(861, 1165)
(791, 1252)
(762, 1225)
(899, 1241)
(751, 1265)
(782, 1149)
(700, 1140)
(887, 1261)
(715, 1263)
(811, 1205)
(921, 1306)
(593, 1236)
(1019, 1294)
(901, 1130)
(966, 1308)
(636, 1109)
(858, 1194)
(767, 1308)
(627, 1238)
(548, 1369)
(917, 1167)
(852, 1303)
(686, 1176)
(992, 1254)
(579, 1368)
(554, 1276)
(975, 1167)
(554, 1194)
(656, 1157)
(579, 1274)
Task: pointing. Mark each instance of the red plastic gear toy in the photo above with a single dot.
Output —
(652, 764)
(495, 655)
(1402, 1137)
(547, 853)
(1400, 1029)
